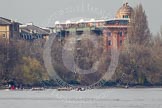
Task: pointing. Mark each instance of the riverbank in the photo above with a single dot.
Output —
(103, 87)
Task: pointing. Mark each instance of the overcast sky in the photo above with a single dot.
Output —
(45, 12)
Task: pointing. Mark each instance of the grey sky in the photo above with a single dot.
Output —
(46, 12)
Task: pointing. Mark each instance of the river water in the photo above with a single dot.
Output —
(96, 98)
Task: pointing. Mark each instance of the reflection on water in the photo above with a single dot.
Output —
(99, 98)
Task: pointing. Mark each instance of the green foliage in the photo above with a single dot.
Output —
(30, 71)
(19, 61)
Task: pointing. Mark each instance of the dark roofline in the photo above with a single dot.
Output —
(39, 29)
(7, 21)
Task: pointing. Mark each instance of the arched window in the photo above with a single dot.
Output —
(120, 34)
(109, 34)
(121, 42)
(109, 42)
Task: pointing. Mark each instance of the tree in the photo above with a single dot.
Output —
(3, 57)
(22, 61)
(139, 32)
(29, 71)
(136, 61)
(85, 56)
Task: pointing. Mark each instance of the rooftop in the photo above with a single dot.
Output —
(30, 27)
(4, 21)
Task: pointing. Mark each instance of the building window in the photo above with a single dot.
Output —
(40, 36)
(109, 33)
(16, 27)
(25, 37)
(125, 16)
(121, 42)
(30, 37)
(3, 35)
(22, 35)
(120, 34)
(109, 43)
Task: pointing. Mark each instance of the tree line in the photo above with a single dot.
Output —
(139, 62)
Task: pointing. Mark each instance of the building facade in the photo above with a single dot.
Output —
(114, 30)
(114, 33)
(8, 29)
(31, 32)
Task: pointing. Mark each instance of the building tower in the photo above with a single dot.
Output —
(115, 30)
(125, 11)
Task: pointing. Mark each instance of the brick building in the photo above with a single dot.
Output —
(115, 30)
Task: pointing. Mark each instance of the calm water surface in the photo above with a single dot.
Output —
(99, 98)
